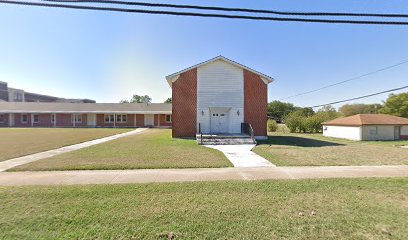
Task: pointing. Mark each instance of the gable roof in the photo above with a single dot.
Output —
(57, 107)
(368, 119)
(173, 77)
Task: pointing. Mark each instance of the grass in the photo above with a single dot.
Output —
(344, 209)
(151, 149)
(290, 149)
(17, 142)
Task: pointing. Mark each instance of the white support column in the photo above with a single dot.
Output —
(114, 120)
(55, 120)
(134, 120)
(158, 120)
(73, 119)
(11, 119)
(32, 119)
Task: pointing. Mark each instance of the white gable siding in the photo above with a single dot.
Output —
(220, 84)
(351, 133)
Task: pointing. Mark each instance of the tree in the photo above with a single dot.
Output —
(280, 109)
(168, 100)
(353, 109)
(138, 99)
(396, 104)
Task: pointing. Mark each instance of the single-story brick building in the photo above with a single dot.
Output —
(367, 127)
(41, 114)
(219, 96)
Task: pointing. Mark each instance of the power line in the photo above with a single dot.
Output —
(347, 80)
(208, 15)
(247, 10)
(365, 96)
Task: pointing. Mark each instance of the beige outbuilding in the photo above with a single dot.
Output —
(369, 127)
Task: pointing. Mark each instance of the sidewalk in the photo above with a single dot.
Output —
(14, 162)
(190, 175)
(242, 156)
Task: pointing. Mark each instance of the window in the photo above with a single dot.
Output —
(18, 97)
(52, 118)
(373, 130)
(36, 118)
(121, 118)
(1, 118)
(77, 118)
(168, 118)
(24, 118)
(109, 118)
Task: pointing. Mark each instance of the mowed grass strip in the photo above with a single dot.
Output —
(17, 142)
(290, 209)
(289, 149)
(153, 148)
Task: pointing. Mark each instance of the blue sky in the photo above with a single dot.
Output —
(110, 56)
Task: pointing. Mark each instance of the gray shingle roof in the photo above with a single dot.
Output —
(42, 107)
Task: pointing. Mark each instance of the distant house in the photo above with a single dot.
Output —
(367, 127)
(219, 96)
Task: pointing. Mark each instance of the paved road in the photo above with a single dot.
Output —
(4, 165)
(189, 175)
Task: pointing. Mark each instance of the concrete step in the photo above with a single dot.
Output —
(225, 141)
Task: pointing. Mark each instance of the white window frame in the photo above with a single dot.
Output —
(171, 119)
(121, 118)
(36, 120)
(77, 118)
(22, 117)
(111, 118)
(2, 118)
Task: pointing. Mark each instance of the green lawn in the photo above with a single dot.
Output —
(17, 142)
(150, 149)
(290, 149)
(343, 209)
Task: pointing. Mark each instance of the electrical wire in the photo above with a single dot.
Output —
(247, 10)
(208, 15)
(347, 80)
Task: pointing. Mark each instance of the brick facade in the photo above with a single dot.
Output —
(255, 103)
(184, 108)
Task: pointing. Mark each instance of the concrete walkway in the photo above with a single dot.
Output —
(14, 162)
(189, 175)
(242, 156)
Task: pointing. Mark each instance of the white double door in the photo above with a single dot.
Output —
(219, 122)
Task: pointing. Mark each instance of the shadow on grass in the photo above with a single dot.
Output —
(298, 141)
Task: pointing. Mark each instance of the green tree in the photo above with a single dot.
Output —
(280, 109)
(168, 100)
(396, 104)
(358, 108)
(138, 99)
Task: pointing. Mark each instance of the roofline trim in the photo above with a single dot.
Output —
(173, 77)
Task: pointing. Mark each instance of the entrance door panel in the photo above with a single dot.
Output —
(219, 122)
(397, 132)
(149, 120)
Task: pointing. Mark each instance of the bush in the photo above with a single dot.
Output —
(272, 126)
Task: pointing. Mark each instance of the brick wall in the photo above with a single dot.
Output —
(5, 118)
(255, 102)
(184, 96)
(163, 121)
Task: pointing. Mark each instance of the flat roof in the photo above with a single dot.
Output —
(57, 107)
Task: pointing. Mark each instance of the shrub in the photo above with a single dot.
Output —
(272, 126)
